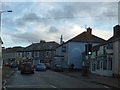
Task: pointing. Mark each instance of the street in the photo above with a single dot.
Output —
(48, 79)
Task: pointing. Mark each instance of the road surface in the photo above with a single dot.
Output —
(48, 79)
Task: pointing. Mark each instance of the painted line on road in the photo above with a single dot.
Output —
(53, 86)
(56, 87)
(106, 87)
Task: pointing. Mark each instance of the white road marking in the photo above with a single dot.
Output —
(30, 86)
(106, 87)
(53, 86)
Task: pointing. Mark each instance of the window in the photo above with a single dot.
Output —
(48, 53)
(36, 54)
(109, 46)
(96, 53)
(109, 63)
(104, 51)
(93, 67)
(101, 64)
(63, 49)
(104, 64)
(98, 64)
(27, 54)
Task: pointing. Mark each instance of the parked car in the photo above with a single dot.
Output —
(19, 66)
(27, 67)
(58, 68)
(7, 65)
(47, 66)
(13, 65)
(40, 67)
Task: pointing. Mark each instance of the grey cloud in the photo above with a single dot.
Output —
(53, 29)
(69, 12)
(30, 18)
(82, 9)
(20, 22)
(61, 10)
(28, 36)
(27, 18)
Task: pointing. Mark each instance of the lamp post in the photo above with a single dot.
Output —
(0, 15)
(1, 61)
(5, 11)
(0, 35)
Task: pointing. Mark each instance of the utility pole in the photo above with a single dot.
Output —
(88, 52)
(1, 61)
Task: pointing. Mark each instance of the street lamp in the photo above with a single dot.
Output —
(0, 28)
(0, 15)
(5, 11)
(1, 61)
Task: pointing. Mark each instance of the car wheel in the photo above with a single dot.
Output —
(33, 72)
(21, 72)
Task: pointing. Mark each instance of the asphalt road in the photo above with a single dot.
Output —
(48, 79)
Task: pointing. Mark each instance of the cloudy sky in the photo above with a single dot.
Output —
(34, 21)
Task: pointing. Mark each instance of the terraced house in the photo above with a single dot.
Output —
(105, 59)
(42, 52)
(10, 54)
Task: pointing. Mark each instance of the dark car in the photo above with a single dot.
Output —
(58, 68)
(7, 65)
(27, 67)
(19, 65)
(47, 66)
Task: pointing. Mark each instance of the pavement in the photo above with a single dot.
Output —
(6, 73)
(104, 80)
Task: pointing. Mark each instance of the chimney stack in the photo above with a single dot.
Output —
(89, 31)
(89, 34)
(116, 31)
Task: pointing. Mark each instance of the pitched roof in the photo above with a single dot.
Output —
(14, 49)
(110, 40)
(42, 46)
(83, 38)
(113, 38)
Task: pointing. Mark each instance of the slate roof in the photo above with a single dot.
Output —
(42, 46)
(14, 49)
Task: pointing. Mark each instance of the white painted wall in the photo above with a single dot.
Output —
(116, 57)
(57, 60)
(100, 71)
(103, 72)
(74, 53)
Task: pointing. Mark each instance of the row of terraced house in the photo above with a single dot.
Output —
(105, 58)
